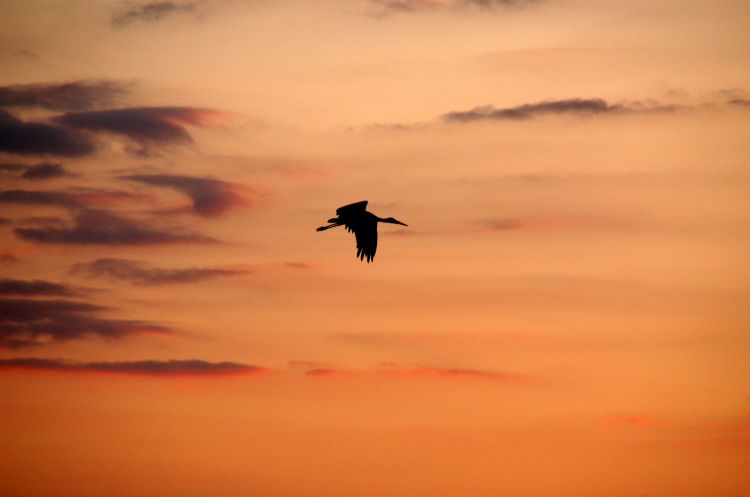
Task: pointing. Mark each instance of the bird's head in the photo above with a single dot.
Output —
(393, 221)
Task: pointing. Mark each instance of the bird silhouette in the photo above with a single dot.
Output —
(363, 224)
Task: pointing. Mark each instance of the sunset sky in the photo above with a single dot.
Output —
(567, 313)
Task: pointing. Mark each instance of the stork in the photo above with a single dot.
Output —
(363, 224)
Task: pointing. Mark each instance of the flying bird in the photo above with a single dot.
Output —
(363, 224)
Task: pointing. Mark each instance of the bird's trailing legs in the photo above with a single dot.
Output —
(332, 225)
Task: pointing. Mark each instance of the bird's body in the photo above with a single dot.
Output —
(363, 224)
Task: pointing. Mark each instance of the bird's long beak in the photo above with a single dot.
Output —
(404, 224)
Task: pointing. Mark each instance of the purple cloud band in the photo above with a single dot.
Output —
(188, 367)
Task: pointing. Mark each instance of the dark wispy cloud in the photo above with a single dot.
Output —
(140, 274)
(409, 5)
(503, 224)
(743, 102)
(44, 170)
(573, 106)
(35, 288)
(326, 372)
(145, 125)
(210, 197)
(31, 322)
(531, 223)
(98, 227)
(130, 12)
(436, 5)
(498, 3)
(35, 138)
(71, 96)
(33, 197)
(317, 369)
(74, 199)
(188, 367)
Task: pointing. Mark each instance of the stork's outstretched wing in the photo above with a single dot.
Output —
(367, 241)
(356, 207)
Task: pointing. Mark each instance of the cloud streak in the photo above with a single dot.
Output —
(99, 227)
(35, 288)
(32, 197)
(574, 106)
(169, 368)
(150, 12)
(30, 323)
(71, 96)
(145, 125)
(34, 138)
(45, 170)
(210, 197)
(138, 273)
(74, 199)
(579, 107)
(437, 5)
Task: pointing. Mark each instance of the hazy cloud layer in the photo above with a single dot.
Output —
(211, 197)
(25, 55)
(34, 288)
(402, 370)
(72, 96)
(12, 168)
(142, 124)
(27, 323)
(574, 106)
(140, 274)
(34, 138)
(98, 227)
(189, 367)
(395, 370)
(130, 12)
(630, 420)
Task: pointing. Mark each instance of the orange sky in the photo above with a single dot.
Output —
(565, 315)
